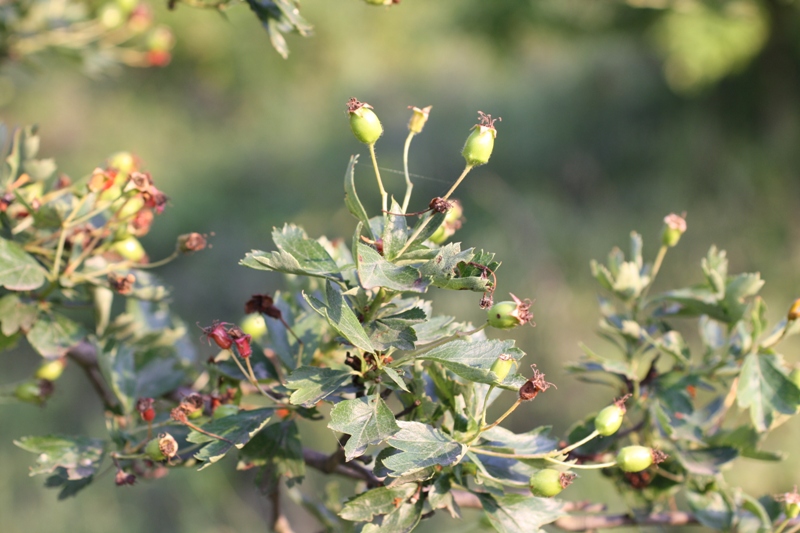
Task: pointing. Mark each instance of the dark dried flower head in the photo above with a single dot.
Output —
(123, 478)
(262, 303)
(440, 205)
(659, 456)
(123, 284)
(191, 242)
(486, 301)
(142, 181)
(566, 479)
(192, 403)
(354, 105)
(535, 384)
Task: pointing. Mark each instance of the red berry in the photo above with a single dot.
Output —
(148, 415)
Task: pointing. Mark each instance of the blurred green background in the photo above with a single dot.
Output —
(614, 114)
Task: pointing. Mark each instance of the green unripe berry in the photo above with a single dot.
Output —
(608, 421)
(634, 458)
(123, 162)
(548, 482)
(509, 314)
(130, 207)
(364, 122)
(30, 392)
(51, 370)
(153, 451)
(226, 409)
(162, 447)
(111, 16)
(502, 366)
(478, 148)
(129, 248)
(381, 2)
(254, 325)
(500, 315)
(792, 509)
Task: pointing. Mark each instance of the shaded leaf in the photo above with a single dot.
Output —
(403, 520)
(351, 200)
(711, 509)
(279, 450)
(380, 501)
(72, 458)
(312, 384)
(395, 232)
(238, 429)
(708, 461)
(516, 513)
(116, 361)
(473, 359)
(766, 390)
(296, 254)
(19, 271)
(16, 315)
(341, 317)
(54, 334)
(375, 271)
(421, 446)
(367, 420)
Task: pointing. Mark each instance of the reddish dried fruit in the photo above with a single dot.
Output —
(535, 384)
(242, 341)
(217, 332)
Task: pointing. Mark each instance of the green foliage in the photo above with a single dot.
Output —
(355, 344)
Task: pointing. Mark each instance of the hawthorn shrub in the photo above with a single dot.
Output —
(353, 344)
